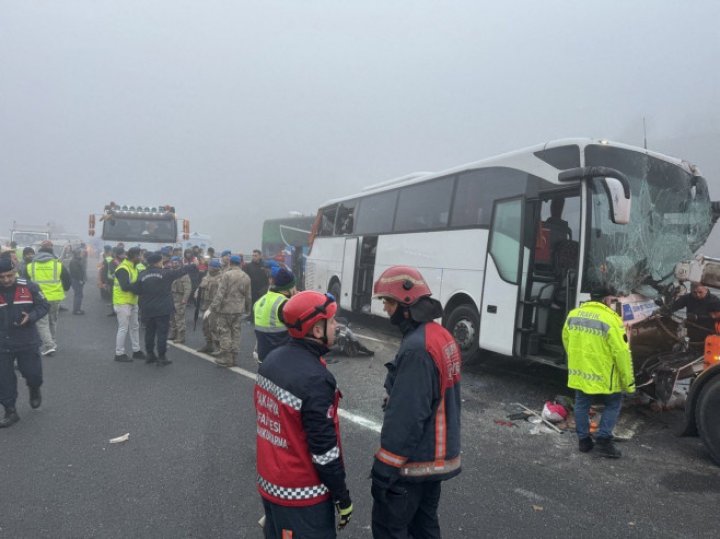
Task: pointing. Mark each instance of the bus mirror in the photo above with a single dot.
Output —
(619, 203)
(616, 186)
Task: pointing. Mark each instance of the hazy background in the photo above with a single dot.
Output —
(238, 111)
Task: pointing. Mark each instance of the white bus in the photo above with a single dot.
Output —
(511, 243)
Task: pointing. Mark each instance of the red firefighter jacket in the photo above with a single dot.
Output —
(299, 458)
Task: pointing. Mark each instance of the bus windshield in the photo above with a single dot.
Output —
(670, 219)
(140, 229)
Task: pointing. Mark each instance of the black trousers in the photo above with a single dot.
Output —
(311, 522)
(406, 510)
(30, 366)
(156, 327)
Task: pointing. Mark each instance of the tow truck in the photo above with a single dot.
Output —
(142, 226)
(668, 369)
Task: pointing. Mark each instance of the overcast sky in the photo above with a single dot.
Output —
(237, 111)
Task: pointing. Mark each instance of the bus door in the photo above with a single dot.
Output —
(552, 236)
(503, 268)
(347, 275)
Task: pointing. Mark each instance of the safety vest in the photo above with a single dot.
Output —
(108, 261)
(120, 297)
(265, 311)
(599, 360)
(140, 267)
(47, 276)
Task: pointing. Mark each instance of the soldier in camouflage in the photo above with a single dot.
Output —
(206, 293)
(231, 302)
(181, 289)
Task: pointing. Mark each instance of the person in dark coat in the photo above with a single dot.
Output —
(78, 276)
(259, 276)
(153, 288)
(22, 304)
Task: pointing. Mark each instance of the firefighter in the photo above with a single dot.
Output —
(420, 437)
(300, 466)
(599, 365)
(22, 304)
(270, 332)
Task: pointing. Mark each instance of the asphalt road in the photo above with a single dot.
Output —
(188, 468)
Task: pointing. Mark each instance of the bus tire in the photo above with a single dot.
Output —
(463, 323)
(334, 289)
(707, 418)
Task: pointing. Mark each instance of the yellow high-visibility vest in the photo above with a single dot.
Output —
(47, 275)
(120, 297)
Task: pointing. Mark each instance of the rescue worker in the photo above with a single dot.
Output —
(54, 280)
(231, 301)
(22, 304)
(301, 472)
(420, 437)
(181, 289)
(702, 311)
(156, 304)
(105, 275)
(270, 332)
(125, 304)
(119, 256)
(599, 364)
(206, 293)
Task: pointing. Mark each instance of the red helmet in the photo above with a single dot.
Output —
(302, 310)
(403, 284)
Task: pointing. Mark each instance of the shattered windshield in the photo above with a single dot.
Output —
(670, 219)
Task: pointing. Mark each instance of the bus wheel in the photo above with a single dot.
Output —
(464, 325)
(335, 291)
(707, 419)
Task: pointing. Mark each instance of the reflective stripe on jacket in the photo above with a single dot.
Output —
(420, 438)
(120, 296)
(599, 360)
(299, 457)
(47, 275)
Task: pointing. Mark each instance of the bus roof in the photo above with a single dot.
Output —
(505, 159)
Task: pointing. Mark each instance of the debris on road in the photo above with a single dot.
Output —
(537, 508)
(540, 416)
(124, 438)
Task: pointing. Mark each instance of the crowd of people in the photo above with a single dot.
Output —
(301, 473)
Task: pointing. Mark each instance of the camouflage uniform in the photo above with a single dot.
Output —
(181, 289)
(232, 300)
(208, 289)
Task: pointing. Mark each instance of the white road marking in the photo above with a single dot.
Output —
(371, 338)
(358, 419)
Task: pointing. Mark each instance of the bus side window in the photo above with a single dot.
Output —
(327, 221)
(345, 219)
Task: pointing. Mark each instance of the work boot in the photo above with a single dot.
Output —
(139, 355)
(123, 358)
(606, 448)
(10, 418)
(163, 360)
(207, 349)
(151, 357)
(586, 444)
(224, 360)
(35, 397)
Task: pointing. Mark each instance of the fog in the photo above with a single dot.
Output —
(236, 112)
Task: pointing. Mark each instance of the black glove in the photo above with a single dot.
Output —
(692, 317)
(344, 509)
